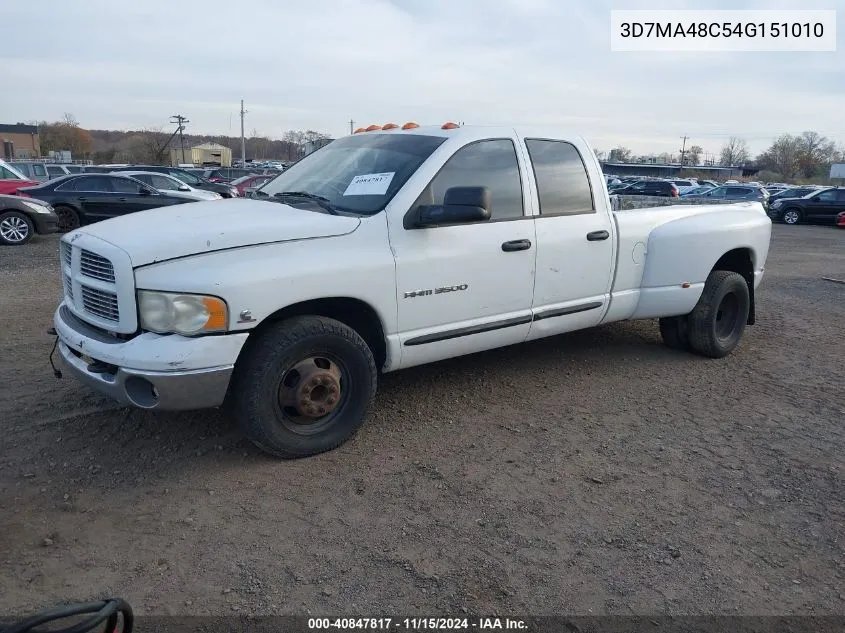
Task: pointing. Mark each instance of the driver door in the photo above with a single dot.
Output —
(469, 287)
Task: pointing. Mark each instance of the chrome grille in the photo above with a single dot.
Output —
(66, 253)
(69, 288)
(96, 266)
(100, 303)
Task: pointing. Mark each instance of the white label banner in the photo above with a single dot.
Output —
(723, 31)
(370, 184)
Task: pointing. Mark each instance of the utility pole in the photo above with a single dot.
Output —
(351, 123)
(683, 150)
(180, 121)
(243, 141)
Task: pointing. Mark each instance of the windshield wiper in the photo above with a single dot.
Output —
(321, 201)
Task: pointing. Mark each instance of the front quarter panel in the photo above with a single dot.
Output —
(265, 278)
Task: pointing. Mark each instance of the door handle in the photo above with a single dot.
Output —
(83, 199)
(121, 199)
(516, 245)
(596, 236)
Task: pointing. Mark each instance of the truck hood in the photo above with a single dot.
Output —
(203, 227)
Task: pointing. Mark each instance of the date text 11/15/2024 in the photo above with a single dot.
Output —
(417, 624)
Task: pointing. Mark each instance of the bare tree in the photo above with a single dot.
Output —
(693, 155)
(620, 154)
(817, 153)
(734, 152)
(783, 157)
(148, 146)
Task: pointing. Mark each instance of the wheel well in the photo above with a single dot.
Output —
(355, 313)
(740, 261)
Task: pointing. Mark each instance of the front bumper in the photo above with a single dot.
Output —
(45, 223)
(149, 371)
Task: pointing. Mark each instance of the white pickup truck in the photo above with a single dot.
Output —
(387, 249)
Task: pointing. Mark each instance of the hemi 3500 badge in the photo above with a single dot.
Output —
(436, 291)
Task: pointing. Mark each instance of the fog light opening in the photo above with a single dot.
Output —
(141, 392)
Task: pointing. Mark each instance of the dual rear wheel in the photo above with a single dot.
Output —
(717, 322)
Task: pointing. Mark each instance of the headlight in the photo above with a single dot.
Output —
(166, 312)
(38, 208)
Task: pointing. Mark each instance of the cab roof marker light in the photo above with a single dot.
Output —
(373, 128)
(449, 126)
(359, 130)
(390, 126)
(410, 125)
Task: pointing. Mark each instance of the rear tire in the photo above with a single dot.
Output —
(792, 216)
(303, 386)
(718, 320)
(15, 228)
(675, 332)
(68, 218)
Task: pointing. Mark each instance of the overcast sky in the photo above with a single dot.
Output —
(315, 64)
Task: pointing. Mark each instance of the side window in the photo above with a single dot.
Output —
(38, 170)
(827, 196)
(124, 185)
(6, 174)
(490, 164)
(93, 183)
(55, 172)
(719, 191)
(562, 181)
(162, 183)
(639, 186)
(840, 195)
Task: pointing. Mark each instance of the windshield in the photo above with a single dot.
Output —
(358, 174)
(15, 173)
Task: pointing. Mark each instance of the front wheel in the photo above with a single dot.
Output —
(718, 320)
(303, 386)
(791, 216)
(15, 228)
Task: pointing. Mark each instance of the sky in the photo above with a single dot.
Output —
(316, 64)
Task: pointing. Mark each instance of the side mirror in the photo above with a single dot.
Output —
(461, 205)
(184, 188)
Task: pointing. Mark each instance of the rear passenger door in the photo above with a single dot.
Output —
(575, 244)
(94, 196)
(826, 205)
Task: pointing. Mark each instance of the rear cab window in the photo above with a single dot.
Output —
(563, 185)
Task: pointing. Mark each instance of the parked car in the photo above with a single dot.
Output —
(792, 192)
(697, 190)
(171, 185)
(710, 183)
(662, 188)
(822, 206)
(247, 184)
(228, 174)
(433, 217)
(85, 198)
(733, 192)
(11, 179)
(41, 172)
(684, 186)
(21, 218)
(225, 190)
(840, 220)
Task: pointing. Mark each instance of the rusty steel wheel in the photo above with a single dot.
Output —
(303, 386)
(309, 394)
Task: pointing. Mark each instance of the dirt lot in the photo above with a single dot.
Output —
(598, 472)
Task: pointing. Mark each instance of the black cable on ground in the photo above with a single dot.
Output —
(105, 610)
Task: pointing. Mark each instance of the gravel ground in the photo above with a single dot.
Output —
(596, 472)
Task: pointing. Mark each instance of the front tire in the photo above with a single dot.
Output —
(719, 318)
(303, 386)
(15, 228)
(791, 216)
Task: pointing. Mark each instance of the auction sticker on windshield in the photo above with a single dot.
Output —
(370, 184)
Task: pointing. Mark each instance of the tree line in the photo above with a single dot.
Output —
(153, 144)
(806, 157)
